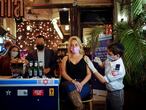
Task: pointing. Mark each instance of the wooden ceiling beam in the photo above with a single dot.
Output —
(69, 5)
(45, 6)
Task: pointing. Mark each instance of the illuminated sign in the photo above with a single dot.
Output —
(12, 8)
(38, 92)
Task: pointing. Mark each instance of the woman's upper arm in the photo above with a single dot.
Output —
(63, 65)
(88, 70)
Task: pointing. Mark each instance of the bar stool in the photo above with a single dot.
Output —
(88, 103)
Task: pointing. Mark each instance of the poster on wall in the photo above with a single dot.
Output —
(101, 52)
(104, 41)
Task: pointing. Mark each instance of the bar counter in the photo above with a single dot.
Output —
(29, 94)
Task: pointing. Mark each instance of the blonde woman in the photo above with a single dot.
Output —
(75, 74)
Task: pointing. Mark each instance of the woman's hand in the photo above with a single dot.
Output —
(19, 60)
(24, 61)
(14, 60)
(78, 85)
(46, 70)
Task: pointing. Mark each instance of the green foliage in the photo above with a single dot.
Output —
(135, 49)
(93, 40)
(132, 37)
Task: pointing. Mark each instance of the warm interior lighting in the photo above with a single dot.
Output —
(28, 30)
(1, 40)
(122, 18)
(8, 29)
(28, 27)
(54, 21)
(66, 27)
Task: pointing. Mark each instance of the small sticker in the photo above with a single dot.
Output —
(22, 92)
(38, 92)
(51, 91)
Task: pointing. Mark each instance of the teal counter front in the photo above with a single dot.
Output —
(29, 94)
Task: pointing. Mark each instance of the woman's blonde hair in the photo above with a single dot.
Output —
(79, 42)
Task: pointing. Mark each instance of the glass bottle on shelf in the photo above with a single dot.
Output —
(30, 69)
(35, 69)
(40, 68)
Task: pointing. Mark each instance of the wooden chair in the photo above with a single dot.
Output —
(87, 104)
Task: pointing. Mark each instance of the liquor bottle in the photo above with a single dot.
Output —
(23, 70)
(40, 68)
(30, 69)
(35, 69)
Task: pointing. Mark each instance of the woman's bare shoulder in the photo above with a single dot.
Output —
(65, 58)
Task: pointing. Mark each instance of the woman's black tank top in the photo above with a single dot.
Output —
(76, 71)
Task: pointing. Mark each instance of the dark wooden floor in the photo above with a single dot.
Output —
(134, 100)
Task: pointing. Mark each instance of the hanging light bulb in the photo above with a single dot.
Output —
(66, 27)
(28, 28)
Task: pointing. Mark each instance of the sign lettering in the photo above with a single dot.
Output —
(12, 8)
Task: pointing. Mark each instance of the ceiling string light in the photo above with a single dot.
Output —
(28, 30)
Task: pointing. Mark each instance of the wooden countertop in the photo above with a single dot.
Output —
(5, 77)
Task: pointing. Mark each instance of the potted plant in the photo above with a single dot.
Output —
(130, 34)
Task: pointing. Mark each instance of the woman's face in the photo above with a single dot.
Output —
(74, 47)
(15, 49)
(14, 52)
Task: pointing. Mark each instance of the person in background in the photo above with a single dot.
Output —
(12, 56)
(114, 75)
(75, 74)
(44, 55)
(7, 45)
